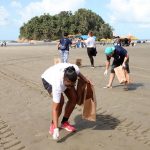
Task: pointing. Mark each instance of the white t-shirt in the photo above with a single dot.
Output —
(90, 42)
(54, 76)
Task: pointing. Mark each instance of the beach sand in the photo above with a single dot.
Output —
(123, 117)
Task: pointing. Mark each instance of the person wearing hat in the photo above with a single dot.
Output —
(121, 57)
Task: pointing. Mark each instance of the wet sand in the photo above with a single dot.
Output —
(123, 117)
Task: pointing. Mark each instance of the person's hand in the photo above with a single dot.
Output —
(56, 134)
(123, 65)
(106, 72)
(58, 47)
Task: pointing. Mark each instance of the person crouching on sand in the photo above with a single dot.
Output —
(121, 57)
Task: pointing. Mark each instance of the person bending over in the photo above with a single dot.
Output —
(120, 57)
(57, 80)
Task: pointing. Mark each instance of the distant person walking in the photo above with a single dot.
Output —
(63, 46)
(91, 47)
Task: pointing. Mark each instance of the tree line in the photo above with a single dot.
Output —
(51, 27)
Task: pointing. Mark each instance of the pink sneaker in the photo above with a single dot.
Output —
(68, 127)
(51, 129)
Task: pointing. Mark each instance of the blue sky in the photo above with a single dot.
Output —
(125, 16)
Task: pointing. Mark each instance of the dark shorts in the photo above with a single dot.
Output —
(91, 51)
(117, 64)
(47, 86)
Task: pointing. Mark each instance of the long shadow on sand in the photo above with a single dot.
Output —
(131, 87)
(135, 86)
(103, 122)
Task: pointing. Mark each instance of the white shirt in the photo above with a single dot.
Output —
(55, 76)
(90, 42)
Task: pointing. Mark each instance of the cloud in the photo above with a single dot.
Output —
(130, 11)
(49, 6)
(16, 4)
(8, 13)
(3, 16)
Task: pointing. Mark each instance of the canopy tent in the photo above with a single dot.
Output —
(106, 40)
(84, 37)
(132, 37)
(103, 39)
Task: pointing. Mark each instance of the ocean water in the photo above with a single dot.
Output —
(15, 43)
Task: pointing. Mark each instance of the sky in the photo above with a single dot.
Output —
(126, 17)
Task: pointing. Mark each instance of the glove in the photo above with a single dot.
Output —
(106, 72)
(56, 134)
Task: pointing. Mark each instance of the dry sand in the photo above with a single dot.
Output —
(123, 117)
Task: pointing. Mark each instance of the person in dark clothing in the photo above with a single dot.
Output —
(121, 57)
(63, 46)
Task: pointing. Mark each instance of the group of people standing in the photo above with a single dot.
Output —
(65, 43)
(3, 44)
(61, 79)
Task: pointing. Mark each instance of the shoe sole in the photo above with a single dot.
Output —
(68, 129)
